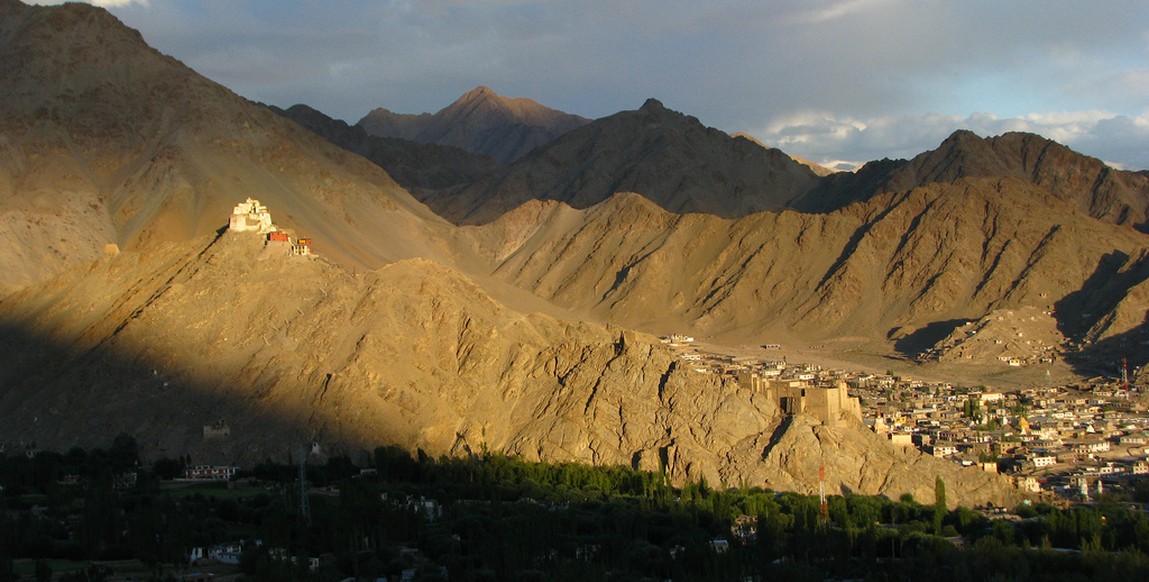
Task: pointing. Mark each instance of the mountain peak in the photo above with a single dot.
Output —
(652, 105)
(480, 92)
(481, 122)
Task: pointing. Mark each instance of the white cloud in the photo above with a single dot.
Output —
(1119, 140)
(835, 9)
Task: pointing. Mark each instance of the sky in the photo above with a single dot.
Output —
(833, 81)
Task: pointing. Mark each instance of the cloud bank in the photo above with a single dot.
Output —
(825, 79)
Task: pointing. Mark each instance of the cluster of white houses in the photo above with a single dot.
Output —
(1057, 440)
(1062, 440)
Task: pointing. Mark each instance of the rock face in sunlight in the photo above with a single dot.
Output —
(900, 261)
(168, 343)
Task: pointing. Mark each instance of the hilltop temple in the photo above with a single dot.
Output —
(252, 216)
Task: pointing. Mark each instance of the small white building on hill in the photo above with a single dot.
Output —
(251, 216)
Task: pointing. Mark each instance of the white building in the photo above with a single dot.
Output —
(251, 216)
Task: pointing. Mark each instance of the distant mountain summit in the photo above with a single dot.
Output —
(1085, 182)
(481, 122)
(670, 158)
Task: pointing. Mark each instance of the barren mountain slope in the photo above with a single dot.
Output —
(480, 122)
(415, 166)
(1084, 182)
(288, 350)
(103, 139)
(893, 265)
(666, 156)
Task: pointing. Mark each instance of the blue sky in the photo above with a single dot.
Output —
(829, 80)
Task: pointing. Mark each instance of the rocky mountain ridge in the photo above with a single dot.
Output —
(481, 122)
(683, 166)
(417, 167)
(1085, 182)
(664, 155)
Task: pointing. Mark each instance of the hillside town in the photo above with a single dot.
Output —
(1069, 443)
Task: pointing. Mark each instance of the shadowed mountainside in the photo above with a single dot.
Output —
(683, 166)
(415, 166)
(1084, 182)
(480, 122)
(670, 158)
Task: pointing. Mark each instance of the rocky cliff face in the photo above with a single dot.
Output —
(480, 122)
(288, 350)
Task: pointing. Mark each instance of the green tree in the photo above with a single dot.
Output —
(125, 453)
(939, 503)
(168, 469)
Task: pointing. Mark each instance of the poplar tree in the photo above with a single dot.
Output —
(939, 503)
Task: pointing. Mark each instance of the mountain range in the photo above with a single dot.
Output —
(490, 276)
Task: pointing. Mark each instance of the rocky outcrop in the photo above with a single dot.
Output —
(856, 460)
(480, 122)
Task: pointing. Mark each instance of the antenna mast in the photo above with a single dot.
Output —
(1125, 372)
(822, 491)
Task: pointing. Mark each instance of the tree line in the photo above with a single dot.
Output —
(497, 517)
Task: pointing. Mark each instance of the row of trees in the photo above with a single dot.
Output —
(503, 519)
